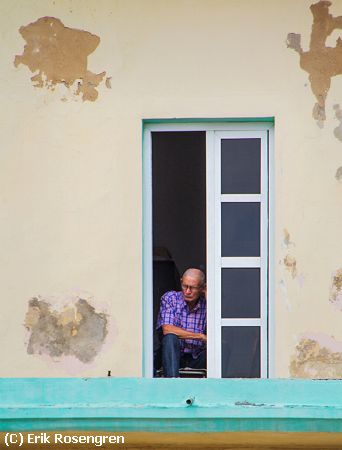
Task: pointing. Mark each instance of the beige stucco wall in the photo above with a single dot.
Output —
(70, 170)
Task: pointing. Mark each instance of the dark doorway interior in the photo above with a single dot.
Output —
(179, 210)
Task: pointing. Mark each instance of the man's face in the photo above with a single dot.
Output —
(192, 288)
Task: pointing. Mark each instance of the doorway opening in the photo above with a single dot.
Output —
(178, 212)
(206, 203)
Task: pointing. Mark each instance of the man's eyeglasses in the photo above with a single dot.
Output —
(187, 287)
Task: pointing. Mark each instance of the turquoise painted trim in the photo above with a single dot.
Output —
(138, 404)
(211, 120)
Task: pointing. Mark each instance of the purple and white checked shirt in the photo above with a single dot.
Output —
(175, 311)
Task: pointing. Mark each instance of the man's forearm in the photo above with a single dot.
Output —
(183, 334)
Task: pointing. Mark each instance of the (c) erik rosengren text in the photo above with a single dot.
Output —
(19, 439)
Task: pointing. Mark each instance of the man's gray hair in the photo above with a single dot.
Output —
(195, 273)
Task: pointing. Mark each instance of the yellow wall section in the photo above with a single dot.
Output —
(70, 170)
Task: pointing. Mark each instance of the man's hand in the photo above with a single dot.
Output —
(203, 338)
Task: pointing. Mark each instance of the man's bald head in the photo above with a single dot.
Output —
(196, 274)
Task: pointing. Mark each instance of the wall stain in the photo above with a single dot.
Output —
(78, 330)
(336, 289)
(317, 356)
(58, 55)
(338, 174)
(291, 265)
(321, 62)
(338, 129)
(284, 295)
(108, 82)
(287, 239)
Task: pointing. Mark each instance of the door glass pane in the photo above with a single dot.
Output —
(240, 229)
(240, 293)
(241, 352)
(240, 166)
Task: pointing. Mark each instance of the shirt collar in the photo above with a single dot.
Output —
(199, 304)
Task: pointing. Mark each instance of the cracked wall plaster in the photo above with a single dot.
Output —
(77, 330)
(58, 55)
(336, 289)
(317, 356)
(321, 62)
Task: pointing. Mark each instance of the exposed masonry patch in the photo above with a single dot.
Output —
(321, 62)
(338, 174)
(336, 289)
(77, 330)
(317, 356)
(58, 55)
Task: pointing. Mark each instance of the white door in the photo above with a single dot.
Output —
(237, 181)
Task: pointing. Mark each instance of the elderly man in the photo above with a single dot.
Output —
(183, 320)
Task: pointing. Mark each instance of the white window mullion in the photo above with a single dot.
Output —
(251, 198)
(264, 254)
(228, 262)
(213, 328)
(245, 322)
(217, 232)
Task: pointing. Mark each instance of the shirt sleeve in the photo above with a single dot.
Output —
(167, 311)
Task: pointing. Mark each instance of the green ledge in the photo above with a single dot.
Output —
(170, 405)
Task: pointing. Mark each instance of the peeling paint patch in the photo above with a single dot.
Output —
(246, 403)
(317, 356)
(56, 54)
(338, 129)
(108, 82)
(338, 174)
(294, 42)
(291, 265)
(321, 62)
(77, 330)
(336, 289)
(287, 241)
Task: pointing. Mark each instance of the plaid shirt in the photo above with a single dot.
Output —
(175, 311)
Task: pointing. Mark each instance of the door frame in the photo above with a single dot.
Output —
(214, 332)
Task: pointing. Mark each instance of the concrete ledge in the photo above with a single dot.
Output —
(170, 405)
